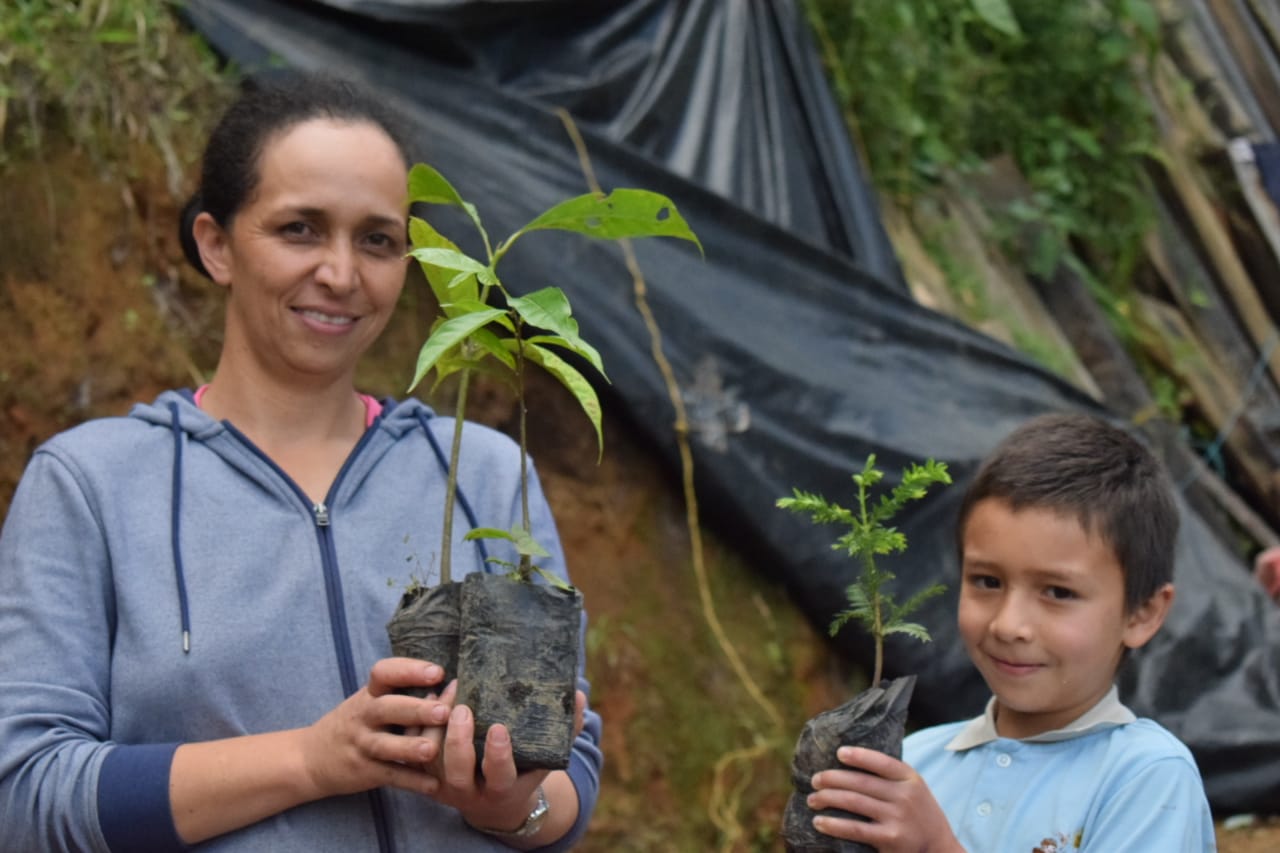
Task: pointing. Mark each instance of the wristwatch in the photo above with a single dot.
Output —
(531, 824)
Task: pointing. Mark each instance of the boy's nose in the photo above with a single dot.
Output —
(1012, 619)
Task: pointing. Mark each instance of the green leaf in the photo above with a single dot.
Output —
(473, 354)
(452, 259)
(998, 15)
(870, 474)
(428, 186)
(578, 347)
(860, 608)
(913, 603)
(549, 309)
(475, 306)
(553, 579)
(816, 507)
(493, 345)
(513, 571)
(446, 366)
(520, 538)
(570, 378)
(1144, 18)
(448, 285)
(911, 629)
(448, 335)
(115, 37)
(624, 213)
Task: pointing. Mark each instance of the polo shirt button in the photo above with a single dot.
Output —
(1003, 759)
(984, 809)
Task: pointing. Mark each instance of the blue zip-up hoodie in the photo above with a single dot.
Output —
(162, 581)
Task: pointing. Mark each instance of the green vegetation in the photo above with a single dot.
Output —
(869, 535)
(939, 86)
(103, 75)
(936, 89)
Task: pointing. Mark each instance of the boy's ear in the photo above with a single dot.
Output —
(215, 252)
(1147, 618)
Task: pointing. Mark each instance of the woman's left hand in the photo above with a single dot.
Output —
(498, 797)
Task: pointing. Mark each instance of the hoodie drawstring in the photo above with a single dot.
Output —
(176, 527)
(462, 498)
(176, 518)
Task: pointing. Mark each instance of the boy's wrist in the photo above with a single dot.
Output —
(951, 845)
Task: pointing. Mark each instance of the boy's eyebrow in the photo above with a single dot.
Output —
(1046, 573)
(1055, 574)
(974, 563)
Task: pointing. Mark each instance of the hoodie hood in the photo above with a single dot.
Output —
(397, 418)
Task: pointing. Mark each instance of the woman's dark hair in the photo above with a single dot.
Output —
(1081, 466)
(268, 105)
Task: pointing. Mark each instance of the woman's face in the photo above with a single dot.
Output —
(314, 260)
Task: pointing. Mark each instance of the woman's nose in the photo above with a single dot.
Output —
(337, 270)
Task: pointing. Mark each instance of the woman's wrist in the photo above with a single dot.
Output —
(515, 822)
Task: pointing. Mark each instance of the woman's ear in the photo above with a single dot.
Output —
(215, 251)
(1147, 617)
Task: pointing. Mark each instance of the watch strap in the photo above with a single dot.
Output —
(531, 824)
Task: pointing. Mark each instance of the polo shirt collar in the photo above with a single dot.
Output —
(1104, 715)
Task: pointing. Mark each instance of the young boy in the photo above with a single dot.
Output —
(1066, 540)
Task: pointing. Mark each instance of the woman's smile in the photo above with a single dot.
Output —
(326, 322)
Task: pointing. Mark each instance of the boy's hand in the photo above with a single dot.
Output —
(903, 816)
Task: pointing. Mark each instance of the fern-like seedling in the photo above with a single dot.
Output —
(870, 536)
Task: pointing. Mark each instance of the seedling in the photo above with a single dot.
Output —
(474, 335)
(513, 644)
(870, 536)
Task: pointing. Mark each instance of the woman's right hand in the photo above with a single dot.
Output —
(353, 748)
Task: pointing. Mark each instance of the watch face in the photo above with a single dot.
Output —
(538, 815)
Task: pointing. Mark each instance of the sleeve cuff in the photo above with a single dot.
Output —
(133, 799)
(583, 781)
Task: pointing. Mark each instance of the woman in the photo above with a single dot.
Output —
(193, 593)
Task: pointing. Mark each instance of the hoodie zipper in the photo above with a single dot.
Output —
(334, 597)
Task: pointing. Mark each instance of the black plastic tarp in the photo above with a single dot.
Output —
(797, 344)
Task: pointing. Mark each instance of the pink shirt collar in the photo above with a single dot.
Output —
(372, 408)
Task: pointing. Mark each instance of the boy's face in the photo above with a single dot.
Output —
(1042, 614)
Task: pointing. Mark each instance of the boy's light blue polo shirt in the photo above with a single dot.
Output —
(1107, 783)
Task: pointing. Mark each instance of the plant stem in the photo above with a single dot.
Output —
(681, 428)
(451, 489)
(526, 562)
(873, 588)
(722, 812)
(872, 577)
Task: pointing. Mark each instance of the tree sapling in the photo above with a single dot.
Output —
(876, 717)
(498, 620)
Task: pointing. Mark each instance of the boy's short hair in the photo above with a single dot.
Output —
(1082, 466)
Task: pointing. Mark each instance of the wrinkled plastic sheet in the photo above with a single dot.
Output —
(797, 347)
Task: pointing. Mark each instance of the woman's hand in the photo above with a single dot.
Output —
(221, 785)
(901, 813)
(498, 797)
(353, 748)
